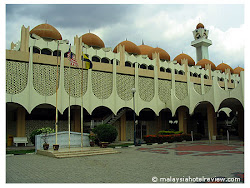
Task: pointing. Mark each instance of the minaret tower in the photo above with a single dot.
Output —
(201, 42)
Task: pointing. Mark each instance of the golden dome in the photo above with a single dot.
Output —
(237, 70)
(130, 47)
(145, 49)
(223, 67)
(204, 62)
(162, 53)
(179, 57)
(199, 25)
(46, 31)
(92, 40)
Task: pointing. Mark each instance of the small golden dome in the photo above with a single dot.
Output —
(237, 70)
(46, 31)
(162, 53)
(223, 67)
(204, 62)
(179, 57)
(199, 25)
(92, 40)
(130, 47)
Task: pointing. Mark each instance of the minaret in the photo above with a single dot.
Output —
(201, 42)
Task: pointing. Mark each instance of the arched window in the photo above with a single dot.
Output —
(168, 70)
(151, 67)
(199, 75)
(181, 72)
(36, 50)
(128, 64)
(162, 69)
(46, 51)
(105, 60)
(222, 79)
(143, 66)
(175, 71)
(232, 81)
(57, 53)
(205, 76)
(195, 75)
(191, 74)
(117, 62)
(95, 59)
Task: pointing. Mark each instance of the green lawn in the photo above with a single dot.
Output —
(20, 152)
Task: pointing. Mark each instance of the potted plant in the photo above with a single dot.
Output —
(56, 146)
(45, 144)
(92, 138)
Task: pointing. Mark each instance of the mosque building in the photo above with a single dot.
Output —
(164, 92)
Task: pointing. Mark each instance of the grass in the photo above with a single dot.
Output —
(20, 152)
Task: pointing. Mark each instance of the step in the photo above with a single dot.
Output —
(84, 154)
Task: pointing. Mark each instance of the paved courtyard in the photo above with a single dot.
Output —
(145, 164)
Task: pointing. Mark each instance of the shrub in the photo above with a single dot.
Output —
(169, 132)
(177, 138)
(150, 139)
(105, 133)
(40, 131)
(187, 137)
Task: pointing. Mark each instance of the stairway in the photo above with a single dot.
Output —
(77, 152)
(112, 118)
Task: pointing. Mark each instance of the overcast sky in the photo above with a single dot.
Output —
(167, 26)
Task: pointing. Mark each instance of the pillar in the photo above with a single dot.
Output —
(241, 123)
(123, 128)
(182, 118)
(158, 124)
(211, 120)
(20, 122)
(77, 120)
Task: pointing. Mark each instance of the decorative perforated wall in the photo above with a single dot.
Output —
(207, 88)
(146, 88)
(16, 76)
(164, 89)
(181, 90)
(77, 79)
(124, 85)
(44, 79)
(197, 88)
(102, 84)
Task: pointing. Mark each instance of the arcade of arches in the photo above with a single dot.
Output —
(204, 120)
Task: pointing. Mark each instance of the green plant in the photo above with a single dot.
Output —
(169, 132)
(105, 132)
(45, 130)
(187, 137)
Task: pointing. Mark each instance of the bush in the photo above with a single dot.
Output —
(151, 138)
(40, 131)
(169, 132)
(177, 138)
(187, 137)
(105, 133)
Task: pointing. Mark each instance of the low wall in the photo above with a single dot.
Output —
(62, 140)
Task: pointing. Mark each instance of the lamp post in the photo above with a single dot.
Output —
(133, 91)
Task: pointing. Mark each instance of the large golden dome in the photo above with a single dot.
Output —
(162, 53)
(179, 57)
(223, 67)
(204, 62)
(237, 70)
(145, 49)
(46, 31)
(92, 40)
(130, 47)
